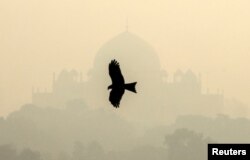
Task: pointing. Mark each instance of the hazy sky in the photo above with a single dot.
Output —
(39, 37)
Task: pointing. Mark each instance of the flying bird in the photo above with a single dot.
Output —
(118, 85)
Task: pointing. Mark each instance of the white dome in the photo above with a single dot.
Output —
(128, 46)
(137, 58)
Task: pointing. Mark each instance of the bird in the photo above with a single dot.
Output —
(118, 85)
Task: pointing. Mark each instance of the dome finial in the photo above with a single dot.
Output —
(127, 24)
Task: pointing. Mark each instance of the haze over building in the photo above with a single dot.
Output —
(158, 99)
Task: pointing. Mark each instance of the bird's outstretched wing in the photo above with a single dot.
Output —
(115, 73)
(116, 96)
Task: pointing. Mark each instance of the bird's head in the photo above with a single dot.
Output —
(109, 87)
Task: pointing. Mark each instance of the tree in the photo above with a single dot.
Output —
(28, 154)
(79, 151)
(95, 151)
(185, 144)
(7, 152)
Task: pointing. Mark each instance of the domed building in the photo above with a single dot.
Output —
(157, 99)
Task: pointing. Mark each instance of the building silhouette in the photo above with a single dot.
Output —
(157, 95)
(67, 86)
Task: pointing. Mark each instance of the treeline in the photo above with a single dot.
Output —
(182, 144)
(9, 152)
(78, 133)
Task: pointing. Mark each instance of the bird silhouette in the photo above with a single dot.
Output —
(118, 85)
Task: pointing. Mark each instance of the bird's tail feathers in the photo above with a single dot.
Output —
(131, 87)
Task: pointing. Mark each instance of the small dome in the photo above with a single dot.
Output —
(190, 77)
